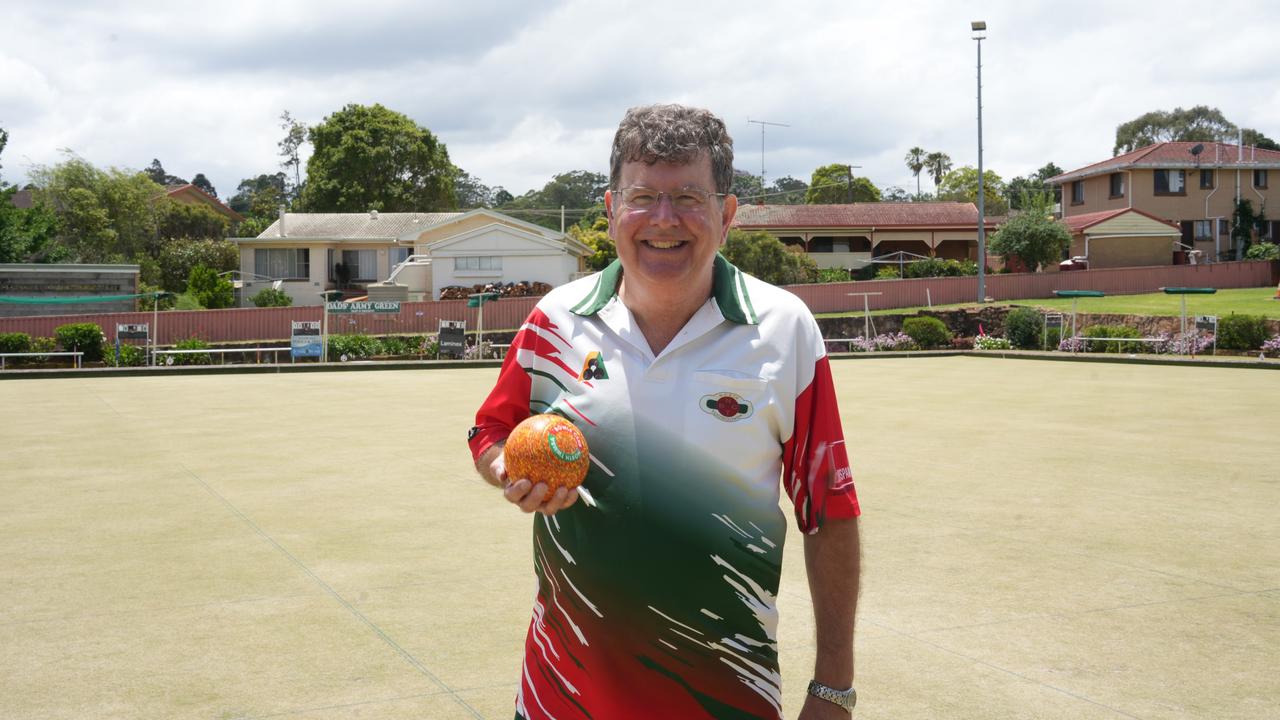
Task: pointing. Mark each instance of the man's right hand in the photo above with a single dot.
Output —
(523, 493)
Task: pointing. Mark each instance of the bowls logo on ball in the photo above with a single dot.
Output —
(726, 406)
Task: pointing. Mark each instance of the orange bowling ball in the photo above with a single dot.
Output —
(547, 448)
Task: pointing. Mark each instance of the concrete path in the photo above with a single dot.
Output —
(1042, 540)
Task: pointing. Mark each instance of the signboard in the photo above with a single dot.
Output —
(452, 338)
(381, 306)
(1053, 320)
(305, 340)
(133, 332)
(1207, 322)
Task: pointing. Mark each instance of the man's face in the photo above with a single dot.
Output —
(664, 247)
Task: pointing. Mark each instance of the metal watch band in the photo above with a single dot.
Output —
(844, 698)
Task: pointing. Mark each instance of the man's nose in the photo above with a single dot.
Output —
(664, 214)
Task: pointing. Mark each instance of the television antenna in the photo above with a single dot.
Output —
(762, 124)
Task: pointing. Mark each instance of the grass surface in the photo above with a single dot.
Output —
(1247, 301)
(1051, 540)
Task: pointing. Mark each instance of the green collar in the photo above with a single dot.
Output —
(728, 287)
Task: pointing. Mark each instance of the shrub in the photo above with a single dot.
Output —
(398, 345)
(1263, 251)
(352, 347)
(832, 275)
(888, 272)
(989, 342)
(927, 332)
(1024, 327)
(209, 290)
(271, 297)
(896, 341)
(937, 267)
(190, 358)
(1094, 332)
(130, 356)
(42, 344)
(430, 345)
(1052, 337)
(82, 337)
(15, 342)
(1242, 332)
(1192, 343)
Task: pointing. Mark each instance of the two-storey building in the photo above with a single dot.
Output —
(1192, 185)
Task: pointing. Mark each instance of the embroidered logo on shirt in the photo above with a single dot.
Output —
(726, 406)
(593, 367)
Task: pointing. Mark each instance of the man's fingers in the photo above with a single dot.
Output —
(534, 498)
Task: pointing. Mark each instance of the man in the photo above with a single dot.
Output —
(697, 387)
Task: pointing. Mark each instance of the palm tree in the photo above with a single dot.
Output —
(939, 164)
(915, 163)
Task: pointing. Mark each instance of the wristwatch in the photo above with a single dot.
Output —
(844, 698)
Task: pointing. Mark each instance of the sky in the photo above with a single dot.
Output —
(522, 91)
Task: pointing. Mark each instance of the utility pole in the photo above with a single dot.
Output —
(762, 123)
(979, 27)
(849, 180)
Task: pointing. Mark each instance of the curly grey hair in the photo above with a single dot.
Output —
(672, 134)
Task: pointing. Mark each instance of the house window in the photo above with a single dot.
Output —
(1117, 185)
(1204, 230)
(282, 263)
(1206, 179)
(1260, 178)
(399, 255)
(477, 263)
(1171, 182)
(1077, 192)
(362, 265)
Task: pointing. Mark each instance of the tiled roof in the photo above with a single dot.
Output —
(868, 215)
(1178, 155)
(189, 189)
(1078, 223)
(354, 225)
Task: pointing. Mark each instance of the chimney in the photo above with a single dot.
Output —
(280, 230)
(373, 214)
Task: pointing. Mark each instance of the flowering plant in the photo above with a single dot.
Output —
(991, 342)
(1272, 346)
(1191, 343)
(896, 341)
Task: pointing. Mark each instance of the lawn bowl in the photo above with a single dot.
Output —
(549, 449)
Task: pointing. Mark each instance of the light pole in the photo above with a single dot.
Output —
(979, 27)
(849, 180)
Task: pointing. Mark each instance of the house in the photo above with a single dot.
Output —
(307, 253)
(1193, 185)
(852, 236)
(1123, 237)
(191, 195)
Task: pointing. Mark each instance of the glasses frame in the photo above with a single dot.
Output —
(621, 194)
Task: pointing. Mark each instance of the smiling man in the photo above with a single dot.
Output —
(703, 393)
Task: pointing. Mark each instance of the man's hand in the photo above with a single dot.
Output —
(818, 709)
(523, 492)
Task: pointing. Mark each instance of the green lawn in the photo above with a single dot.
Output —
(1248, 301)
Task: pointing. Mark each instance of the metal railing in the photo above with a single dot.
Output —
(78, 356)
(169, 355)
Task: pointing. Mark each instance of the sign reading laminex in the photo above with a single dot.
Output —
(305, 339)
(452, 338)
(382, 306)
(133, 332)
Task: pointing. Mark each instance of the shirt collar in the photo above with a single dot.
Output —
(728, 287)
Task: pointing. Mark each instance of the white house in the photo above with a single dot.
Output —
(307, 253)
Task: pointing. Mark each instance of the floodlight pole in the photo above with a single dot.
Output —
(980, 26)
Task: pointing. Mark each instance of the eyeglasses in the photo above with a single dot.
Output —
(685, 200)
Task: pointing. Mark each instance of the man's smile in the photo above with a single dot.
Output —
(664, 244)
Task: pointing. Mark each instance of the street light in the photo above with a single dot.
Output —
(979, 28)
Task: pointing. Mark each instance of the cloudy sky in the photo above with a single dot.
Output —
(520, 91)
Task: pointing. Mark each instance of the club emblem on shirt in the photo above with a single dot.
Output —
(726, 406)
(593, 367)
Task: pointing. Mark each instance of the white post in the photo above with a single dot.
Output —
(480, 330)
(324, 328)
(153, 336)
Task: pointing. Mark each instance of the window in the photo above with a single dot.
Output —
(1171, 182)
(399, 255)
(477, 263)
(1260, 178)
(1206, 179)
(282, 263)
(1077, 192)
(1204, 230)
(1117, 185)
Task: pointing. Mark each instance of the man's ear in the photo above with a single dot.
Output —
(729, 208)
(608, 204)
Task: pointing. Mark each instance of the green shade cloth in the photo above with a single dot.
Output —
(480, 298)
(1079, 293)
(1189, 291)
(75, 300)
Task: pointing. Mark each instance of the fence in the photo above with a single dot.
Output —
(259, 324)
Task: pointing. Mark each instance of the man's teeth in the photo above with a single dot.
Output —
(664, 245)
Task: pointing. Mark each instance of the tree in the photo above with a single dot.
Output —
(765, 257)
(372, 158)
(597, 238)
(961, 185)
(261, 195)
(1253, 137)
(209, 290)
(938, 164)
(1033, 185)
(747, 187)
(834, 184)
(103, 215)
(180, 220)
(893, 193)
(1032, 236)
(1197, 124)
(203, 183)
(576, 190)
(157, 173)
(179, 256)
(27, 235)
(295, 134)
(4, 140)
(787, 190)
(469, 191)
(915, 163)
(501, 196)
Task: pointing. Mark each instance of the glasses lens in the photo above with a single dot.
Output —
(639, 197)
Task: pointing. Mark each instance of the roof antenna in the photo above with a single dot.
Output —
(1196, 150)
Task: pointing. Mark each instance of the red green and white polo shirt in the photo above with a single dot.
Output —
(660, 601)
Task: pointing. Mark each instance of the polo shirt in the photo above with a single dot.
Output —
(660, 600)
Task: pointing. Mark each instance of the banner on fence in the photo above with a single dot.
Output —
(381, 306)
(305, 340)
(452, 338)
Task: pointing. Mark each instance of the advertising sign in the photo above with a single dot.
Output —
(305, 340)
(452, 338)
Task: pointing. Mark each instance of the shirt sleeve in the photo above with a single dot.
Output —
(508, 401)
(816, 471)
